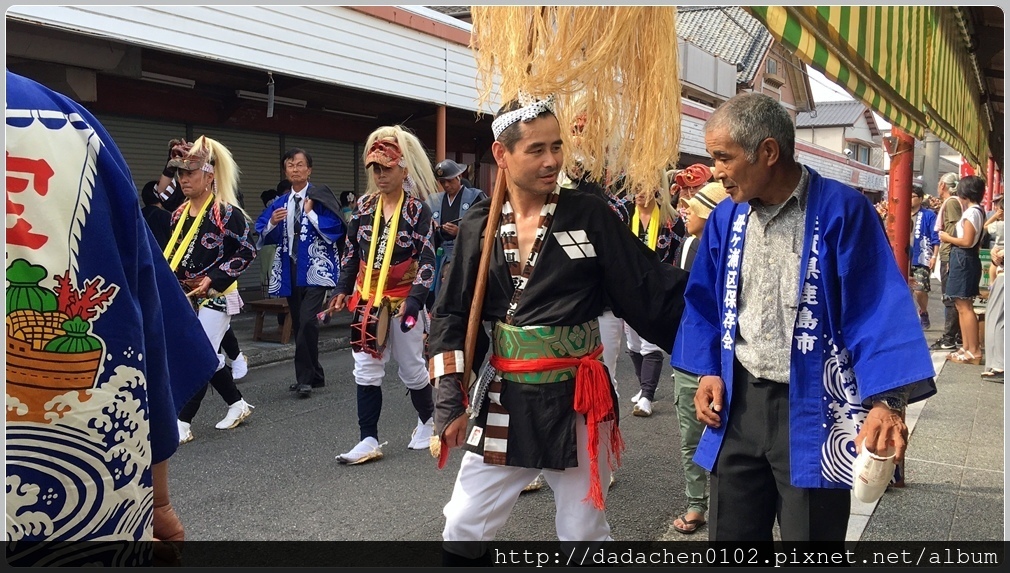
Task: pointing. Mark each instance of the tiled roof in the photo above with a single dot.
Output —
(832, 114)
(727, 32)
(451, 10)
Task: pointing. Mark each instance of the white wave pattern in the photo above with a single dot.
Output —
(320, 272)
(85, 475)
(838, 452)
(274, 282)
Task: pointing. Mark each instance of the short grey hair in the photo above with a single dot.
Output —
(751, 118)
(950, 180)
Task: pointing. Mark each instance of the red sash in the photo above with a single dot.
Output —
(592, 398)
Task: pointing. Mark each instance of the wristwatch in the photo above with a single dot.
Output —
(895, 403)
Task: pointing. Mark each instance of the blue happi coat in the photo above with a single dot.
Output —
(92, 405)
(856, 332)
(318, 256)
(924, 237)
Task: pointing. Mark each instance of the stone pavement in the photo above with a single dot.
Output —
(954, 464)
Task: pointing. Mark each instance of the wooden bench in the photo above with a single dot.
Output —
(273, 307)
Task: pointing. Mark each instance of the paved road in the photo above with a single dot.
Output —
(275, 476)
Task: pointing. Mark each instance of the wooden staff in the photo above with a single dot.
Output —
(476, 305)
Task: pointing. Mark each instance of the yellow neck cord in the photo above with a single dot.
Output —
(387, 256)
(653, 226)
(175, 250)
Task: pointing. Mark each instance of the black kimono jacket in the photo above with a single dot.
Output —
(589, 261)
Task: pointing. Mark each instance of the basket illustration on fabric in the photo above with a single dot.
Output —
(50, 350)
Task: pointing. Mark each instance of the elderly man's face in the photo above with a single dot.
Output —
(743, 180)
(451, 186)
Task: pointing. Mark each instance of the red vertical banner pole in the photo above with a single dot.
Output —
(899, 194)
(990, 180)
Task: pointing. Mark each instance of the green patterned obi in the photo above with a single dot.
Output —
(518, 342)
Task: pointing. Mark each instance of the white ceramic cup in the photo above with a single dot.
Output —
(871, 474)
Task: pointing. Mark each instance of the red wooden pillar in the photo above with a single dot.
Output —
(899, 193)
(990, 180)
(440, 133)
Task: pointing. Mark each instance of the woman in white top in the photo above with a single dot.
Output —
(966, 267)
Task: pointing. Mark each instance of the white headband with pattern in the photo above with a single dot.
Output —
(530, 110)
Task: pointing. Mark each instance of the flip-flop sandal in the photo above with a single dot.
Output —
(692, 524)
(992, 374)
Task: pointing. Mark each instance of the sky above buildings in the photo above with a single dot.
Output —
(827, 90)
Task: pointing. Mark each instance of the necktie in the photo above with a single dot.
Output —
(297, 226)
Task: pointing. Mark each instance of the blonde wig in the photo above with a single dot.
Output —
(226, 172)
(420, 181)
(617, 64)
(661, 195)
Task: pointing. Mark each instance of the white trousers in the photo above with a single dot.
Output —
(485, 494)
(638, 344)
(611, 329)
(407, 348)
(215, 323)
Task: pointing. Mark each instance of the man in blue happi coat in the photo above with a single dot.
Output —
(806, 342)
(307, 228)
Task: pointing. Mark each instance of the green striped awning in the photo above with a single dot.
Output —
(910, 64)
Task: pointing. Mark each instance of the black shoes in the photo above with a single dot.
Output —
(304, 390)
(943, 344)
(295, 386)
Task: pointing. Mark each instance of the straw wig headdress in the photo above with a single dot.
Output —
(616, 67)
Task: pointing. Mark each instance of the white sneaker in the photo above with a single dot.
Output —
(239, 367)
(185, 435)
(236, 413)
(421, 437)
(643, 408)
(636, 397)
(366, 450)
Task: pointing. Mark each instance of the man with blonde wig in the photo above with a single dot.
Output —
(387, 269)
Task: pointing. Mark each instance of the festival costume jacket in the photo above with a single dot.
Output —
(468, 197)
(221, 249)
(670, 233)
(412, 266)
(856, 333)
(588, 185)
(79, 467)
(924, 237)
(588, 261)
(318, 243)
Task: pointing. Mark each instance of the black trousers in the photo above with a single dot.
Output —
(304, 304)
(223, 382)
(750, 486)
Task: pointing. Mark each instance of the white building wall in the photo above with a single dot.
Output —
(330, 44)
(860, 130)
(692, 135)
